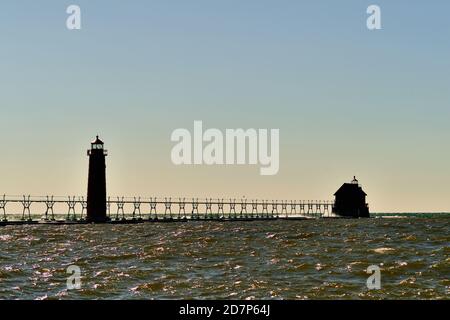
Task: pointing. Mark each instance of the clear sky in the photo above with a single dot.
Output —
(348, 101)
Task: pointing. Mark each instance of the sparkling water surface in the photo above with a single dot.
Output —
(314, 259)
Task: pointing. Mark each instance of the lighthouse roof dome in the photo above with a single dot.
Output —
(97, 141)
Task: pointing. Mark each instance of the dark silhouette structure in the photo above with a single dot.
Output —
(96, 197)
(350, 201)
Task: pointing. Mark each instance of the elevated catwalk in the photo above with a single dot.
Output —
(50, 210)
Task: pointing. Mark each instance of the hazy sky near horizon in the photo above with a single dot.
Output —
(348, 101)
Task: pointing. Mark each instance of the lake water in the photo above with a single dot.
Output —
(313, 259)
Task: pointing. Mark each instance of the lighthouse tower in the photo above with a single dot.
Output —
(96, 197)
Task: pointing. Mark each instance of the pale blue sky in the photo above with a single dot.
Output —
(348, 101)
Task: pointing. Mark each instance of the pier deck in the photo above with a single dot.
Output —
(140, 221)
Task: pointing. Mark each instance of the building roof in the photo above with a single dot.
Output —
(350, 188)
(97, 141)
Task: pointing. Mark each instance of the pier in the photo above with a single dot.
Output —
(98, 207)
(26, 209)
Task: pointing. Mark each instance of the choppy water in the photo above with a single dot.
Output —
(231, 260)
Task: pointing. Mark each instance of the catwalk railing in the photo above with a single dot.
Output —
(72, 208)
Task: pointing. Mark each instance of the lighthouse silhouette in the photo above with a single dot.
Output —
(96, 197)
